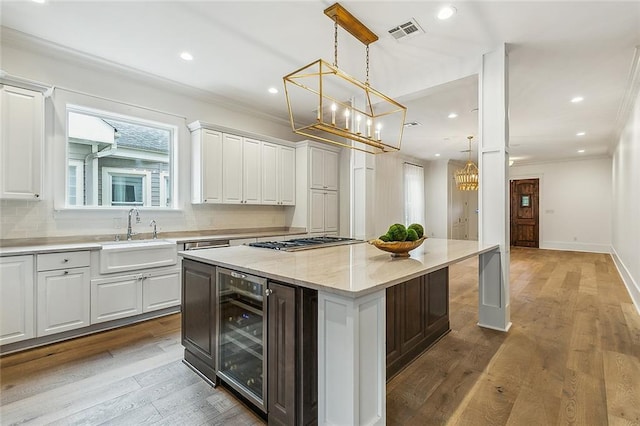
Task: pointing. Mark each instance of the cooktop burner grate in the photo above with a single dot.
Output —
(305, 243)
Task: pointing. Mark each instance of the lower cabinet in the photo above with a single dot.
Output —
(291, 341)
(292, 355)
(62, 300)
(417, 316)
(132, 294)
(16, 299)
(199, 317)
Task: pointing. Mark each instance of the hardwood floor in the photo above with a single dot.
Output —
(571, 357)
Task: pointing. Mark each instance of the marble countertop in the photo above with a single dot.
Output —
(60, 244)
(350, 270)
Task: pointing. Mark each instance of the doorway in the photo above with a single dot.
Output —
(525, 223)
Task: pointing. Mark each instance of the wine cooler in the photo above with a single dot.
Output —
(242, 331)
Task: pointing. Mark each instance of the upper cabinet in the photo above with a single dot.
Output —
(232, 169)
(21, 143)
(324, 169)
(206, 166)
(278, 174)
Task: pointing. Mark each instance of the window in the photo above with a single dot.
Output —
(413, 194)
(115, 160)
(75, 184)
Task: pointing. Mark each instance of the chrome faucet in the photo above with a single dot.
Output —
(155, 231)
(130, 232)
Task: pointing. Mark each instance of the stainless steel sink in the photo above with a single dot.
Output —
(120, 256)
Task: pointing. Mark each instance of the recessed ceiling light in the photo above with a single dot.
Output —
(580, 151)
(186, 56)
(511, 163)
(437, 155)
(273, 90)
(452, 115)
(577, 99)
(446, 12)
(581, 133)
(411, 124)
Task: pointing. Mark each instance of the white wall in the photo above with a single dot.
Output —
(626, 204)
(33, 60)
(437, 199)
(575, 203)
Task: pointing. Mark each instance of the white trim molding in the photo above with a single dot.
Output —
(632, 287)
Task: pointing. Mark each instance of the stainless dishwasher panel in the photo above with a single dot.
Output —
(199, 245)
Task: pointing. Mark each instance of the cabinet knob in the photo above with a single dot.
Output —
(66, 272)
(268, 292)
(36, 195)
(65, 260)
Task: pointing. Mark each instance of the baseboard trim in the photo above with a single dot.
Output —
(632, 286)
(575, 246)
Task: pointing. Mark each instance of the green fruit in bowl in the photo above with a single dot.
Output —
(418, 228)
(385, 238)
(397, 232)
(412, 235)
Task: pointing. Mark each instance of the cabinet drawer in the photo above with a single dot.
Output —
(64, 260)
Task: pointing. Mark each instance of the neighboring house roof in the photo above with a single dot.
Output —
(139, 137)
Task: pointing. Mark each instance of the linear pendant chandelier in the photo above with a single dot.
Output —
(467, 177)
(329, 105)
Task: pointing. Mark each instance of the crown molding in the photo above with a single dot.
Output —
(18, 39)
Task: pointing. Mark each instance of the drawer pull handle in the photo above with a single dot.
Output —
(65, 260)
(66, 272)
(238, 275)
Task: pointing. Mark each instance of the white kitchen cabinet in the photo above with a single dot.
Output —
(251, 171)
(231, 169)
(278, 174)
(21, 143)
(206, 166)
(323, 166)
(323, 211)
(63, 300)
(160, 290)
(117, 297)
(132, 294)
(240, 170)
(16, 299)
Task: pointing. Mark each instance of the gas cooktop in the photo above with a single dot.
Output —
(306, 243)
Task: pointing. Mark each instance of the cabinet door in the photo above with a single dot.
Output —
(251, 171)
(211, 166)
(412, 313)
(63, 300)
(287, 176)
(316, 165)
(270, 173)
(316, 211)
(437, 304)
(281, 354)
(16, 299)
(21, 143)
(113, 298)
(160, 290)
(331, 211)
(331, 170)
(231, 169)
(199, 327)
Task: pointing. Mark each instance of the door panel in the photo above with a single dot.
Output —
(524, 213)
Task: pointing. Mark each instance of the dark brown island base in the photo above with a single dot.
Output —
(283, 386)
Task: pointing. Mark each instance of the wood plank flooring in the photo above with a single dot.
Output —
(571, 357)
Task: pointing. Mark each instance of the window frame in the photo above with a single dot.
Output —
(133, 116)
(408, 217)
(107, 177)
(79, 166)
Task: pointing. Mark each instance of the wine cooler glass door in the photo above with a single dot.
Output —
(241, 352)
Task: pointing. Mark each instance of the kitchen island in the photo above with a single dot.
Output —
(351, 282)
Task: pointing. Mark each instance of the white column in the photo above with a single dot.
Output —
(351, 359)
(493, 300)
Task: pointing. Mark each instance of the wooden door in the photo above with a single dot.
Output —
(524, 213)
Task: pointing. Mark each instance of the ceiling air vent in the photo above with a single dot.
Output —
(406, 30)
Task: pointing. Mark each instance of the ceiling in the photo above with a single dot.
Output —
(557, 50)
